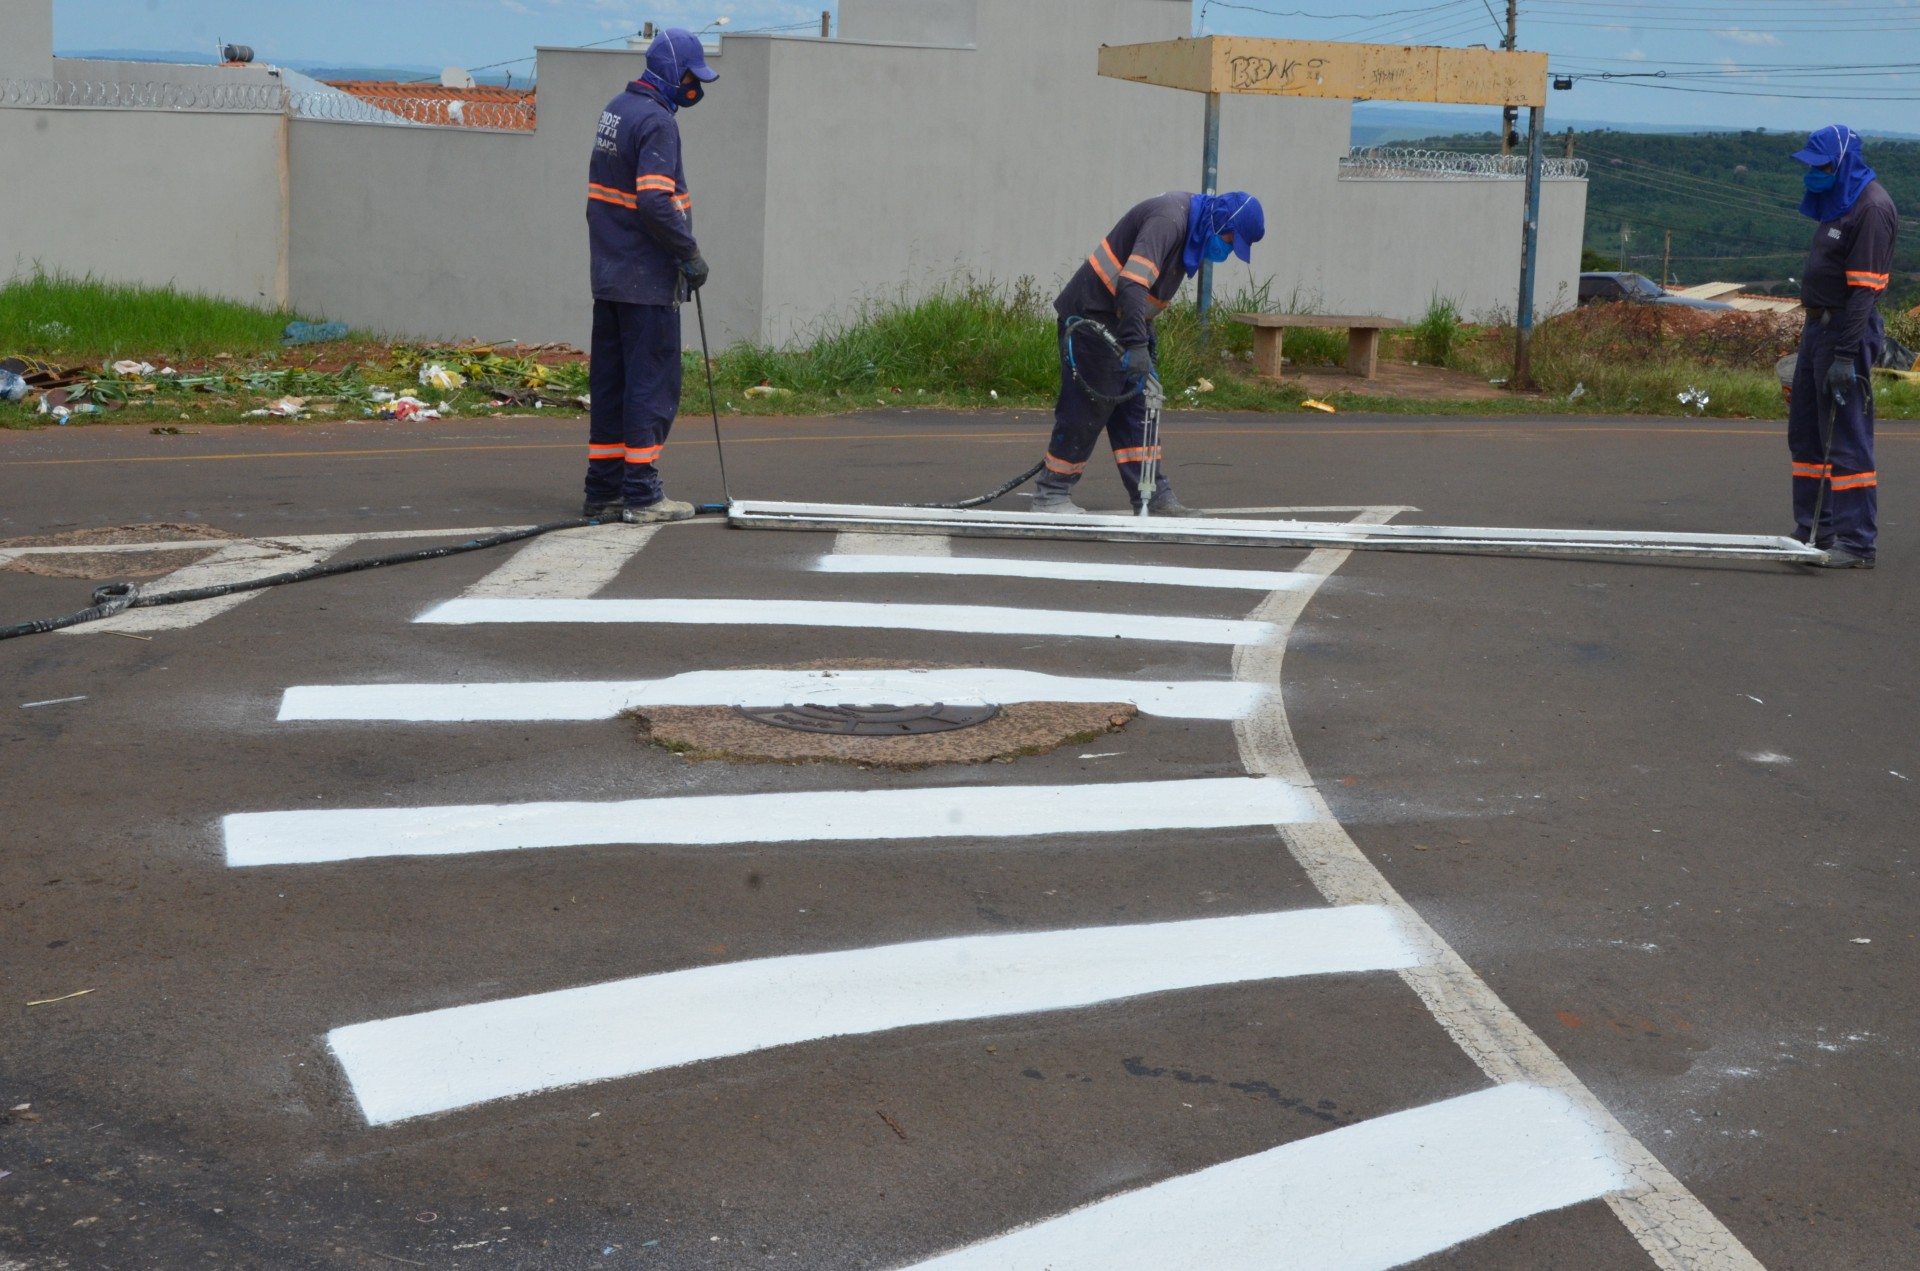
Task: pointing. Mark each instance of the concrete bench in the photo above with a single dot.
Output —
(1363, 338)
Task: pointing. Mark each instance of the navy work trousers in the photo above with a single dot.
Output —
(1849, 514)
(635, 382)
(1078, 421)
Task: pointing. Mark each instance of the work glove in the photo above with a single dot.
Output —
(695, 268)
(1139, 362)
(1840, 377)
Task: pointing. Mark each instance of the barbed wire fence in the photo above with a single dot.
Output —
(1398, 163)
(269, 99)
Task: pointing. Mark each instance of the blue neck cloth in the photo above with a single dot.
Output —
(1839, 145)
(1211, 214)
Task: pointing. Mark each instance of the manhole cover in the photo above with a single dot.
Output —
(872, 721)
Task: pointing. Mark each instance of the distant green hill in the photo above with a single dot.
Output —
(1730, 198)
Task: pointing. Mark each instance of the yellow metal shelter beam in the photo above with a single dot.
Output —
(1350, 72)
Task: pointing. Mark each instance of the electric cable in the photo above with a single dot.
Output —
(114, 598)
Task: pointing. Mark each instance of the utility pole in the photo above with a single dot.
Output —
(1666, 262)
(1209, 184)
(1626, 235)
(1569, 141)
(1510, 116)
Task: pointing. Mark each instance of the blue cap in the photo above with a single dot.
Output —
(1828, 146)
(1249, 225)
(674, 52)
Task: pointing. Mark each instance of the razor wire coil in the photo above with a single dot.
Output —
(1399, 163)
(267, 99)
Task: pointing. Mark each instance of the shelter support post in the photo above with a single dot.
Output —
(1209, 184)
(1529, 255)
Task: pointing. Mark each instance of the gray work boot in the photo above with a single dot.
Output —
(1167, 503)
(609, 511)
(1841, 558)
(664, 510)
(1058, 502)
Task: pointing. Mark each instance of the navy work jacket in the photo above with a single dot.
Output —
(639, 214)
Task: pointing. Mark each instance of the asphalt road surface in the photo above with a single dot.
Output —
(1529, 914)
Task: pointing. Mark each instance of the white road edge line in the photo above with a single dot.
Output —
(1670, 1222)
(860, 543)
(308, 837)
(1063, 571)
(593, 699)
(440, 1060)
(966, 619)
(1364, 1197)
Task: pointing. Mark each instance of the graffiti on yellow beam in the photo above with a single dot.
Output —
(1316, 68)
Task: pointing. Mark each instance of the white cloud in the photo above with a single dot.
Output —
(1739, 36)
(1636, 55)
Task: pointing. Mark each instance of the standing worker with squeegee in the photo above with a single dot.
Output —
(1107, 341)
(1830, 411)
(645, 262)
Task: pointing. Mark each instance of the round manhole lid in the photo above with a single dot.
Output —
(854, 720)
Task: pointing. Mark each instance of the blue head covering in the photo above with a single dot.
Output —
(672, 54)
(1839, 145)
(1211, 214)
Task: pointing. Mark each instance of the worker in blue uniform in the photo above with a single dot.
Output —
(1830, 410)
(645, 262)
(1123, 285)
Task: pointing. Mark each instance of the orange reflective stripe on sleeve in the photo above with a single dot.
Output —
(643, 454)
(683, 201)
(1873, 282)
(1157, 303)
(614, 451)
(1141, 270)
(654, 181)
(1855, 481)
(1064, 468)
(1106, 264)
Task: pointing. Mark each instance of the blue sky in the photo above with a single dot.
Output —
(1780, 64)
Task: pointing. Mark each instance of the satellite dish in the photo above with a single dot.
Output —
(456, 77)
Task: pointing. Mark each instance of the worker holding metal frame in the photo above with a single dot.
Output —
(1830, 409)
(1108, 379)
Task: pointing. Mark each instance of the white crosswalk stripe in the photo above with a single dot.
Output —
(445, 1059)
(566, 564)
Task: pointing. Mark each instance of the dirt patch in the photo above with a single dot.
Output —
(114, 565)
(1025, 728)
(1395, 379)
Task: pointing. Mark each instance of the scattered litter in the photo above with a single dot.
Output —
(167, 430)
(1751, 698)
(1311, 404)
(1696, 397)
(1861, 940)
(408, 408)
(128, 634)
(1579, 391)
(313, 332)
(52, 701)
(426, 1215)
(894, 1126)
(49, 1001)
(434, 375)
(21, 1107)
(1903, 776)
(1499, 383)
(12, 387)
(1105, 754)
(138, 370)
(6, 1173)
(286, 407)
(768, 390)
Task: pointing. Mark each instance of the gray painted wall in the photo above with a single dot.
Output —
(974, 139)
(184, 198)
(26, 38)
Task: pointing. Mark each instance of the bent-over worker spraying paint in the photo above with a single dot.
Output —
(1130, 277)
(645, 262)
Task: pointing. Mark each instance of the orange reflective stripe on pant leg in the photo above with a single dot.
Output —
(648, 454)
(1064, 468)
(1812, 470)
(1136, 454)
(1855, 481)
(606, 452)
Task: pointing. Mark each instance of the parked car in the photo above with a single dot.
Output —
(1637, 289)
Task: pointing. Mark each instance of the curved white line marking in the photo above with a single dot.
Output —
(445, 1059)
(969, 619)
(575, 700)
(312, 837)
(1362, 1198)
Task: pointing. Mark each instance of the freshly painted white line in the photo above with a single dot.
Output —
(575, 700)
(235, 561)
(1064, 571)
(1365, 1197)
(971, 619)
(934, 812)
(565, 565)
(1677, 1231)
(439, 1060)
(855, 543)
(1378, 513)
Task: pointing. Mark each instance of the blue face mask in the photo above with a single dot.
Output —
(1819, 182)
(1217, 248)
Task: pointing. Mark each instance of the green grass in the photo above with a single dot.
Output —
(59, 316)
